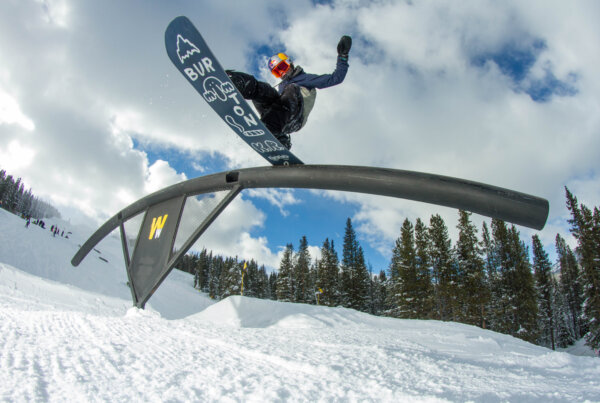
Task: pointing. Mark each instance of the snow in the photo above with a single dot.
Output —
(71, 334)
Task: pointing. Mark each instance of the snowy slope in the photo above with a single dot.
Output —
(69, 334)
(37, 252)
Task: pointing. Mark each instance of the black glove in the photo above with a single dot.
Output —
(343, 47)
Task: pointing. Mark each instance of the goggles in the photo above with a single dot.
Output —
(279, 68)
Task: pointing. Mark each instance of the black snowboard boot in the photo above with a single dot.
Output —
(251, 88)
(267, 101)
(285, 140)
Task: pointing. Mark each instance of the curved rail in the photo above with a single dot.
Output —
(487, 200)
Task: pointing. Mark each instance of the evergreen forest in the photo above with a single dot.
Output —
(489, 278)
(17, 200)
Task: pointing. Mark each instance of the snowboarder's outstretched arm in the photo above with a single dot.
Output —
(328, 80)
(324, 80)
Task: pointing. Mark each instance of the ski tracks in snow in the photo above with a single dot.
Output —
(59, 342)
(49, 355)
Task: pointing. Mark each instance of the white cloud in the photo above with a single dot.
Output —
(279, 198)
(15, 156)
(11, 114)
(80, 82)
(414, 100)
(314, 252)
(55, 12)
(230, 234)
(161, 175)
(93, 82)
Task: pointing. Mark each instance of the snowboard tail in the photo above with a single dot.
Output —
(191, 55)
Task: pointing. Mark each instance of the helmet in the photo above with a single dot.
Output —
(279, 64)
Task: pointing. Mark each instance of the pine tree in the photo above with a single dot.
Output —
(521, 289)
(285, 286)
(393, 286)
(263, 290)
(354, 277)
(3, 186)
(444, 270)
(302, 273)
(273, 285)
(379, 293)
(312, 283)
(215, 269)
(563, 324)
(424, 293)
(474, 294)
(403, 275)
(349, 253)
(361, 283)
(231, 278)
(502, 305)
(491, 278)
(252, 286)
(25, 204)
(545, 293)
(15, 199)
(570, 287)
(319, 269)
(585, 226)
(8, 192)
(202, 271)
(194, 261)
(328, 275)
(18, 195)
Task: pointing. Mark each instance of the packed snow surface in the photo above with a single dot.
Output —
(70, 334)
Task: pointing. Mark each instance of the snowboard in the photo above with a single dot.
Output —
(191, 55)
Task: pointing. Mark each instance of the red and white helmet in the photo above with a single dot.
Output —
(279, 64)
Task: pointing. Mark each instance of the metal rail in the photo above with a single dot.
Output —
(487, 200)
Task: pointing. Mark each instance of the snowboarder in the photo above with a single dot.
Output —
(286, 110)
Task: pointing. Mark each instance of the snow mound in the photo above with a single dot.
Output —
(258, 313)
(31, 292)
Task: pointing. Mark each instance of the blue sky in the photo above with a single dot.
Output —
(515, 60)
(94, 116)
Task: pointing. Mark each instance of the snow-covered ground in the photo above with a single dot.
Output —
(70, 334)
